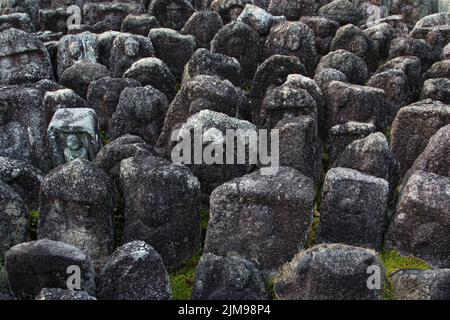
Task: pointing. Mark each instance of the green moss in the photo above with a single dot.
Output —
(34, 220)
(182, 280)
(311, 241)
(325, 167)
(393, 262)
(178, 86)
(204, 219)
(105, 138)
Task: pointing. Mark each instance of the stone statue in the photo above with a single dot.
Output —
(74, 149)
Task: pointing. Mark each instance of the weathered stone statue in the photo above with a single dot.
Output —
(74, 149)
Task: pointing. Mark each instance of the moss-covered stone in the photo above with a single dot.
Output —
(182, 280)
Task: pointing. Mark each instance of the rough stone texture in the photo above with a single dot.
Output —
(407, 142)
(72, 49)
(218, 65)
(35, 265)
(135, 271)
(324, 30)
(353, 209)
(203, 25)
(62, 98)
(140, 24)
(270, 74)
(440, 69)
(23, 178)
(23, 58)
(326, 75)
(240, 41)
(53, 294)
(256, 216)
(17, 20)
(126, 50)
(300, 146)
(76, 208)
(105, 44)
(411, 284)
(403, 46)
(173, 48)
(340, 136)
(446, 52)
(382, 34)
(199, 93)
(436, 89)
(171, 13)
(434, 158)
(354, 40)
(259, 19)
(228, 278)
(396, 87)
(80, 75)
(342, 11)
(329, 272)
(153, 72)
(13, 218)
(163, 208)
(350, 102)
(103, 96)
(104, 16)
(292, 9)
(372, 156)
(351, 66)
(293, 39)
(229, 10)
(141, 111)
(421, 223)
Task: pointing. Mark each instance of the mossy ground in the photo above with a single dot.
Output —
(394, 261)
(311, 241)
(182, 280)
(34, 220)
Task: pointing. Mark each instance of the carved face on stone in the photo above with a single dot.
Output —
(75, 50)
(73, 142)
(131, 47)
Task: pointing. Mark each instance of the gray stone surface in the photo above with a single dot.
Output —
(203, 25)
(410, 284)
(55, 294)
(171, 13)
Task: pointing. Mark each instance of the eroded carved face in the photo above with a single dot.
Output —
(75, 50)
(73, 142)
(131, 47)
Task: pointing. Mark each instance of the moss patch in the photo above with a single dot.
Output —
(182, 280)
(105, 138)
(204, 219)
(325, 167)
(311, 241)
(393, 262)
(34, 220)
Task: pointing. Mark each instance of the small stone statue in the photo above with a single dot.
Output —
(74, 149)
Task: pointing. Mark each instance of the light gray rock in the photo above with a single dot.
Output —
(53, 294)
(203, 25)
(436, 89)
(259, 19)
(411, 284)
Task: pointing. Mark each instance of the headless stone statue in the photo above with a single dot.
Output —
(14, 141)
(74, 149)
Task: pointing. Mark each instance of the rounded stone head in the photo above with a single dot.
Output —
(131, 47)
(75, 50)
(73, 142)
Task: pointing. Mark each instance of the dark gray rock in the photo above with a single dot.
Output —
(141, 111)
(62, 98)
(17, 20)
(162, 209)
(23, 58)
(76, 208)
(171, 14)
(240, 41)
(199, 93)
(440, 69)
(372, 156)
(13, 218)
(407, 143)
(326, 75)
(256, 216)
(353, 67)
(105, 44)
(54, 20)
(403, 46)
(203, 25)
(103, 96)
(421, 222)
(434, 158)
(353, 209)
(259, 19)
(350, 102)
(23, 178)
(292, 9)
(80, 75)
(135, 271)
(329, 272)
(104, 16)
(173, 48)
(293, 39)
(342, 11)
(354, 40)
(139, 24)
(446, 52)
(382, 34)
(436, 89)
(300, 146)
(53, 294)
(411, 284)
(229, 10)
(324, 30)
(35, 265)
(228, 278)
(126, 50)
(340, 136)
(213, 64)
